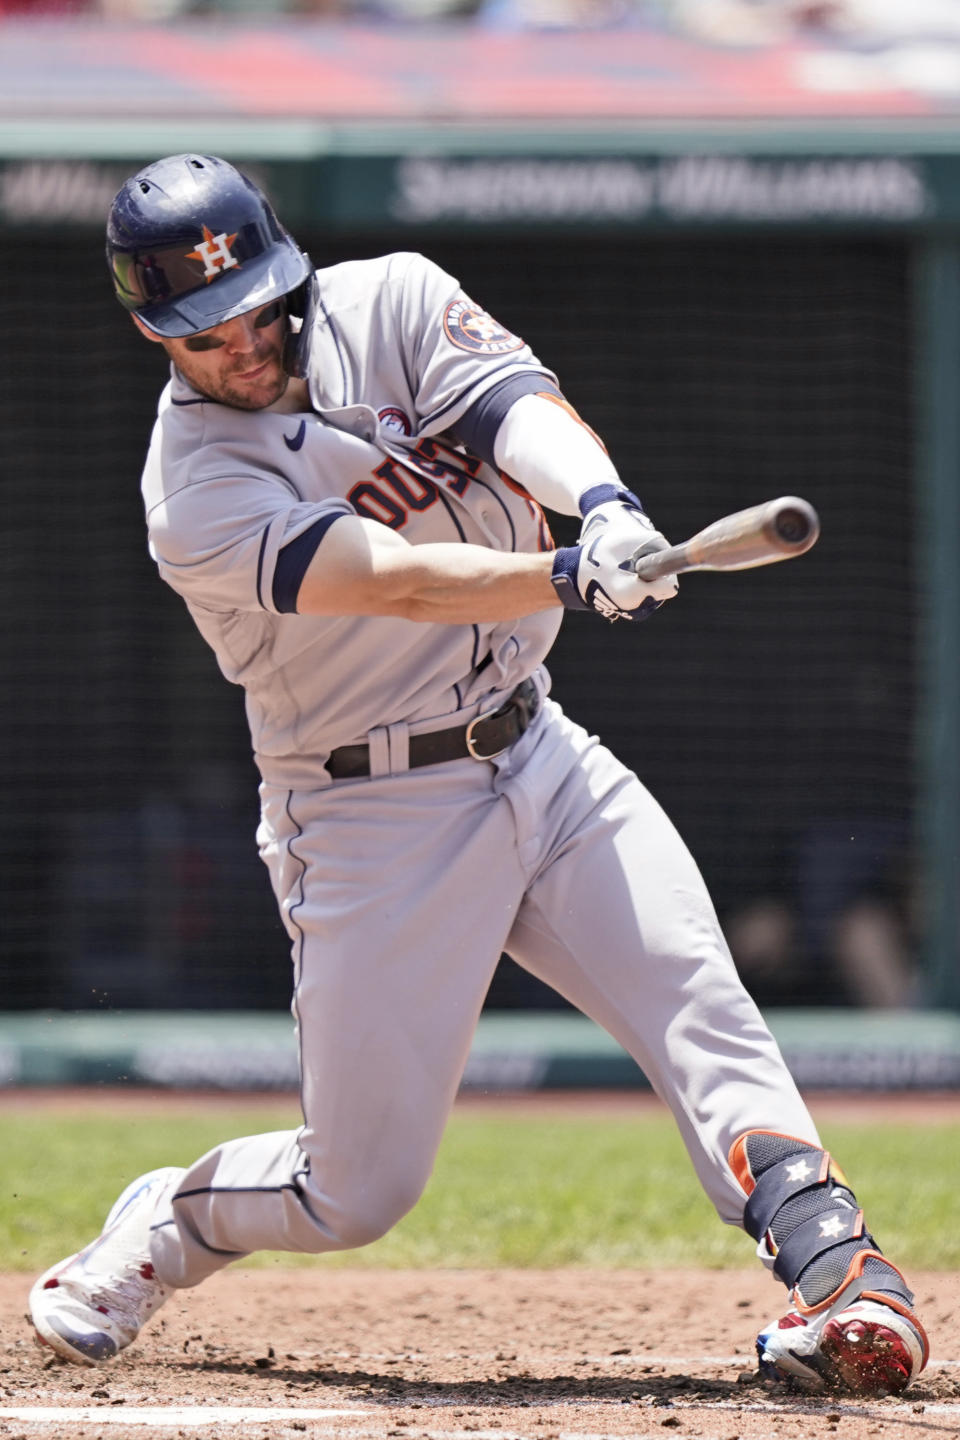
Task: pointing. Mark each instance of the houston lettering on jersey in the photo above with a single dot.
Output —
(397, 489)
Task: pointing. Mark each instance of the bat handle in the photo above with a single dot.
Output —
(660, 562)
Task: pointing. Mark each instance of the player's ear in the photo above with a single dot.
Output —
(145, 330)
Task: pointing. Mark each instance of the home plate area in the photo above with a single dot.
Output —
(556, 1355)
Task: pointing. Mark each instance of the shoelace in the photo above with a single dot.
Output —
(129, 1297)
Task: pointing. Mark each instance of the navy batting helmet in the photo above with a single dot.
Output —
(192, 242)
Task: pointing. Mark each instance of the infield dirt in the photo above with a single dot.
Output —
(463, 1353)
(471, 1355)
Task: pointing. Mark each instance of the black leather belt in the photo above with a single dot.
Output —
(486, 736)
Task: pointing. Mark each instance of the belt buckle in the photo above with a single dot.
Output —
(471, 740)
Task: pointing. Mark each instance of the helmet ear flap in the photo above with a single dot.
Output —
(302, 305)
(298, 300)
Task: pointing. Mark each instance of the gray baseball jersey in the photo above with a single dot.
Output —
(397, 354)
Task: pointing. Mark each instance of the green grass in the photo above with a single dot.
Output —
(510, 1191)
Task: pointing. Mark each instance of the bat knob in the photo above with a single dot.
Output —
(796, 524)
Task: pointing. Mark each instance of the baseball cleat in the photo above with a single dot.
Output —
(863, 1348)
(93, 1304)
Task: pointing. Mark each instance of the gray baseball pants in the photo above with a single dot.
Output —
(400, 892)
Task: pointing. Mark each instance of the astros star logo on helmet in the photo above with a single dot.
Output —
(214, 252)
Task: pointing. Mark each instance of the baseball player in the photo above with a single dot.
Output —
(346, 485)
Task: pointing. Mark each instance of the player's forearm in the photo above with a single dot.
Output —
(363, 568)
(460, 584)
(544, 445)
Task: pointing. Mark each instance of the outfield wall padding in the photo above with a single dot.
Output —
(825, 1049)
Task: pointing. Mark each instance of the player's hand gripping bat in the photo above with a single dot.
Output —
(775, 530)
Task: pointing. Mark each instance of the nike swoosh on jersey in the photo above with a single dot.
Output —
(293, 442)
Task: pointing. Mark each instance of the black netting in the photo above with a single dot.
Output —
(771, 713)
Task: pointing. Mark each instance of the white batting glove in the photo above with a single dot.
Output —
(598, 572)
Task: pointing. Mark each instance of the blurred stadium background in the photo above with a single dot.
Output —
(733, 229)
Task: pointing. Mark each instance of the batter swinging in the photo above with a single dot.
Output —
(345, 485)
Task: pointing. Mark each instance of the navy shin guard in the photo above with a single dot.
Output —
(801, 1208)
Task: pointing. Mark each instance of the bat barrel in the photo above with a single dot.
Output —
(775, 530)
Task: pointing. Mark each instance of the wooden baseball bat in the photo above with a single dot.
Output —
(775, 530)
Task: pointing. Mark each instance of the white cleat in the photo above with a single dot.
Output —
(862, 1348)
(93, 1304)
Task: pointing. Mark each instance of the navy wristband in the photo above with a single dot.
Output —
(603, 494)
(566, 562)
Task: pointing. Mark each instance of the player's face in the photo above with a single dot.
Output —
(239, 362)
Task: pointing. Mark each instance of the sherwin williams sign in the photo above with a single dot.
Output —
(671, 190)
(518, 191)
